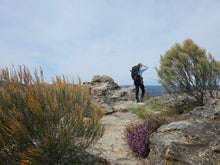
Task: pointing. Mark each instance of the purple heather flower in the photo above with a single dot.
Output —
(138, 136)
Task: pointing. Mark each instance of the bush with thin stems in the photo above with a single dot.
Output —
(188, 69)
(43, 123)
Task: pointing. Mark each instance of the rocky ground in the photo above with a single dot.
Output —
(112, 146)
(193, 140)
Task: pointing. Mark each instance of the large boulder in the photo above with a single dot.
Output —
(103, 85)
(97, 79)
(108, 94)
(192, 141)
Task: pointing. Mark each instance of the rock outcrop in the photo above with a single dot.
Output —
(108, 94)
(195, 140)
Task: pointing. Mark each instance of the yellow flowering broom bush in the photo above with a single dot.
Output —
(43, 123)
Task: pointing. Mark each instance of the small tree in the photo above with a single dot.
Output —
(186, 68)
(43, 123)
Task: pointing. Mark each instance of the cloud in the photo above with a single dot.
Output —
(103, 37)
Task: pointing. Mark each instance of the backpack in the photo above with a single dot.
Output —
(134, 73)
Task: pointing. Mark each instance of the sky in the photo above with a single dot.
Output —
(103, 37)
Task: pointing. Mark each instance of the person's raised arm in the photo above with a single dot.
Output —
(144, 68)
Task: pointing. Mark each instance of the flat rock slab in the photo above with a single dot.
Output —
(113, 146)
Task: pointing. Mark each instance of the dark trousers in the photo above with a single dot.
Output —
(139, 84)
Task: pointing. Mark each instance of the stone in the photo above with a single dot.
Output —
(108, 107)
(124, 94)
(97, 79)
(193, 141)
(90, 159)
(178, 100)
(174, 125)
(108, 94)
(113, 145)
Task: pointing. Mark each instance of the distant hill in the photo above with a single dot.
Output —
(154, 90)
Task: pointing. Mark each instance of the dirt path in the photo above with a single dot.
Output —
(112, 146)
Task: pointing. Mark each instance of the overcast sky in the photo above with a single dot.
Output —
(107, 37)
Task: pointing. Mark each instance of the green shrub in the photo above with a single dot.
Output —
(43, 123)
(188, 69)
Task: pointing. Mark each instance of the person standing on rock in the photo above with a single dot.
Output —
(136, 74)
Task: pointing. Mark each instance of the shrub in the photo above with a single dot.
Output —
(138, 136)
(187, 69)
(43, 123)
